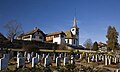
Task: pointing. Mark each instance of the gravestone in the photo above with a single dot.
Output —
(32, 53)
(29, 58)
(106, 60)
(109, 60)
(34, 61)
(58, 61)
(4, 61)
(54, 56)
(65, 54)
(65, 61)
(72, 60)
(25, 54)
(102, 57)
(117, 70)
(47, 61)
(39, 57)
(93, 58)
(96, 57)
(115, 60)
(43, 56)
(20, 62)
(60, 55)
(88, 59)
(19, 54)
(80, 56)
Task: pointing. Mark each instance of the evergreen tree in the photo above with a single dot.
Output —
(95, 46)
(112, 36)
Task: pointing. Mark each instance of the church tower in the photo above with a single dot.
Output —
(75, 33)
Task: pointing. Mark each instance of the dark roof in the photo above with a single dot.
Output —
(32, 32)
(55, 33)
(69, 34)
(2, 37)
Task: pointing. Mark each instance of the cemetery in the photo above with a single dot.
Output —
(72, 61)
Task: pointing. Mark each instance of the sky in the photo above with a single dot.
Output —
(93, 16)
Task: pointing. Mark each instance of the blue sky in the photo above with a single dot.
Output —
(93, 16)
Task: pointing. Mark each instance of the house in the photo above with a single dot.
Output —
(72, 35)
(36, 34)
(102, 47)
(2, 37)
(4, 42)
(56, 37)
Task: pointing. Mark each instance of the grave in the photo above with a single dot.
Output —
(47, 61)
(34, 61)
(20, 62)
(65, 61)
(58, 61)
(4, 61)
(29, 58)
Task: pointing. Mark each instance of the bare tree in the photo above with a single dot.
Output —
(13, 29)
(88, 43)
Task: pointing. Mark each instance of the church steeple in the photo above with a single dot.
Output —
(75, 25)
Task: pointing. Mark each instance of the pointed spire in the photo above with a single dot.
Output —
(75, 24)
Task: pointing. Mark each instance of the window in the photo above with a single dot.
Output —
(33, 36)
(26, 37)
(74, 41)
(40, 37)
(38, 32)
(68, 41)
(62, 35)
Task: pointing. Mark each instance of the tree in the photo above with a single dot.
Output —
(112, 36)
(13, 29)
(95, 46)
(88, 43)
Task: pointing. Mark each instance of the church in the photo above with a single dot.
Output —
(72, 35)
(69, 37)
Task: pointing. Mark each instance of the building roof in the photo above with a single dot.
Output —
(55, 33)
(69, 34)
(32, 32)
(2, 37)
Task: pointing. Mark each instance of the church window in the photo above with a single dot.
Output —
(68, 41)
(74, 41)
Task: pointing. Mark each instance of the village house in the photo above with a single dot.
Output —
(102, 47)
(56, 37)
(35, 35)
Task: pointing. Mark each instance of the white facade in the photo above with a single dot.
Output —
(59, 40)
(73, 42)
